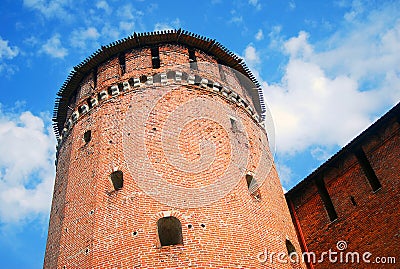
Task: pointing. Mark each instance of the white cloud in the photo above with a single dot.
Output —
(367, 50)
(236, 18)
(292, 5)
(127, 27)
(54, 48)
(26, 166)
(311, 109)
(357, 8)
(129, 12)
(52, 8)
(276, 40)
(255, 3)
(251, 56)
(252, 59)
(128, 19)
(104, 6)
(259, 35)
(285, 174)
(320, 153)
(81, 37)
(333, 90)
(298, 47)
(161, 26)
(7, 53)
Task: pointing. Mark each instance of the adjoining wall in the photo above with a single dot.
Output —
(358, 208)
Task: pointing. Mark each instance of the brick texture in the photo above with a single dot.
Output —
(367, 220)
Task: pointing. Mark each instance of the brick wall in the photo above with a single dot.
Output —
(366, 219)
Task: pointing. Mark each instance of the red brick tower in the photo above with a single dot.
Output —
(163, 161)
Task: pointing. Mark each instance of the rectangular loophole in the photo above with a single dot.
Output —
(117, 179)
(368, 170)
(192, 58)
(94, 78)
(233, 124)
(221, 72)
(155, 57)
(326, 199)
(122, 62)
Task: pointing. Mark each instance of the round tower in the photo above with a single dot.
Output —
(163, 161)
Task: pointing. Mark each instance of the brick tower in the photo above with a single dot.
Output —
(163, 161)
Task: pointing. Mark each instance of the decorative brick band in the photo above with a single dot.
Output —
(170, 78)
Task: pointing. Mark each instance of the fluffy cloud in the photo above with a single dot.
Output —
(332, 90)
(104, 6)
(236, 18)
(160, 26)
(81, 37)
(129, 20)
(292, 5)
(251, 56)
(259, 35)
(51, 8)
(357, 8)
(285, 174)
(7, 53)
(54, 48)
(26, 166)
(255, 3)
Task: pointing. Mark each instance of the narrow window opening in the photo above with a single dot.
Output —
(192, 58)
(326, 199)
(249, 180)
(155, 57)
(170, 231)
(368, 170)
(122, 63)
(87, 136)
(353, 201)
(253, 187)
(117, 179)
(94, 78)
(290, 248)
(221, 72)
(234, 125)
(292, 254)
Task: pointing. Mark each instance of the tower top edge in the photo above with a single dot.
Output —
(141, 40)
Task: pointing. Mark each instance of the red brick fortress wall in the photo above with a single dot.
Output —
(173, 131)
(358, 211)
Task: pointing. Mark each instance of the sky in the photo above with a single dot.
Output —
(328, 70)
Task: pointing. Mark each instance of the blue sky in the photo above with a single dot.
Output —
(328, 70)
